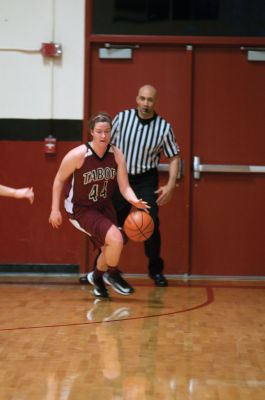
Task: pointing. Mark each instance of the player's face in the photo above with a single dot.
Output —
(101, 133)
(146, 101)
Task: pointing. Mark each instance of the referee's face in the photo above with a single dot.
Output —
(146, 101)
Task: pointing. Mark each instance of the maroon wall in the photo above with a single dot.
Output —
(26, 235)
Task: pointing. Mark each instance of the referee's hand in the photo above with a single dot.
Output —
(165, 194)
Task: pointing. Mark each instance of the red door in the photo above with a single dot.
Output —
(214, 98)
(115, 84)
(228, 216)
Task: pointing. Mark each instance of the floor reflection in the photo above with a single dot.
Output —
(181, 342)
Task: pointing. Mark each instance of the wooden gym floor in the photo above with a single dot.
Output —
(192, 340)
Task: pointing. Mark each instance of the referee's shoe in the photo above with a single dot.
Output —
(159, 280)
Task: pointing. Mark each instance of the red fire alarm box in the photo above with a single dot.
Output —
(50, 143)
(51, 49)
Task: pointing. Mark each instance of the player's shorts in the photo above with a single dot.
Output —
(95, 221)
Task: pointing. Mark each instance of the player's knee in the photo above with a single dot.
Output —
(117, 239)
(114, 237)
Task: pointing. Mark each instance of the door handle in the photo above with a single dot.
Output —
(117, 51)
(232, 168)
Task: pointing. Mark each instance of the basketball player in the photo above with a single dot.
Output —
(90, 173)
(143, 135)
(21, 193)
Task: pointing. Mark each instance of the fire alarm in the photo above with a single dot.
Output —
(51, 49)
(50, 145)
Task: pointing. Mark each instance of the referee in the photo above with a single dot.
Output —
(143, 135)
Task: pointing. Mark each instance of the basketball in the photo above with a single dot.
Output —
(138, 226)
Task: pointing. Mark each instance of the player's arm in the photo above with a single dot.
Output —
(21, 193)
(69, 164)
(123, 182)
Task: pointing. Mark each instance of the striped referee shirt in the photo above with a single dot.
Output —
(142, 141)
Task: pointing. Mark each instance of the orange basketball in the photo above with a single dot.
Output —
(138, 226)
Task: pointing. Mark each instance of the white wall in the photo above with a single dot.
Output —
(32, 86)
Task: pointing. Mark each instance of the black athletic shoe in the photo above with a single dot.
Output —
(159, 280)
(98, 283)
(83, 280)
(116, 281)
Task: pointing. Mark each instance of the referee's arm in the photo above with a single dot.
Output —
(165, 192)
(173, 171)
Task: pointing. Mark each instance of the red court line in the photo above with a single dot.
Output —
(209, 300)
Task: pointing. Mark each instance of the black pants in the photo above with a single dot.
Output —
(144, 186)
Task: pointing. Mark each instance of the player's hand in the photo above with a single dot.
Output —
(143, 205)
(55, 218)
(165, 194)
(25, 193)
